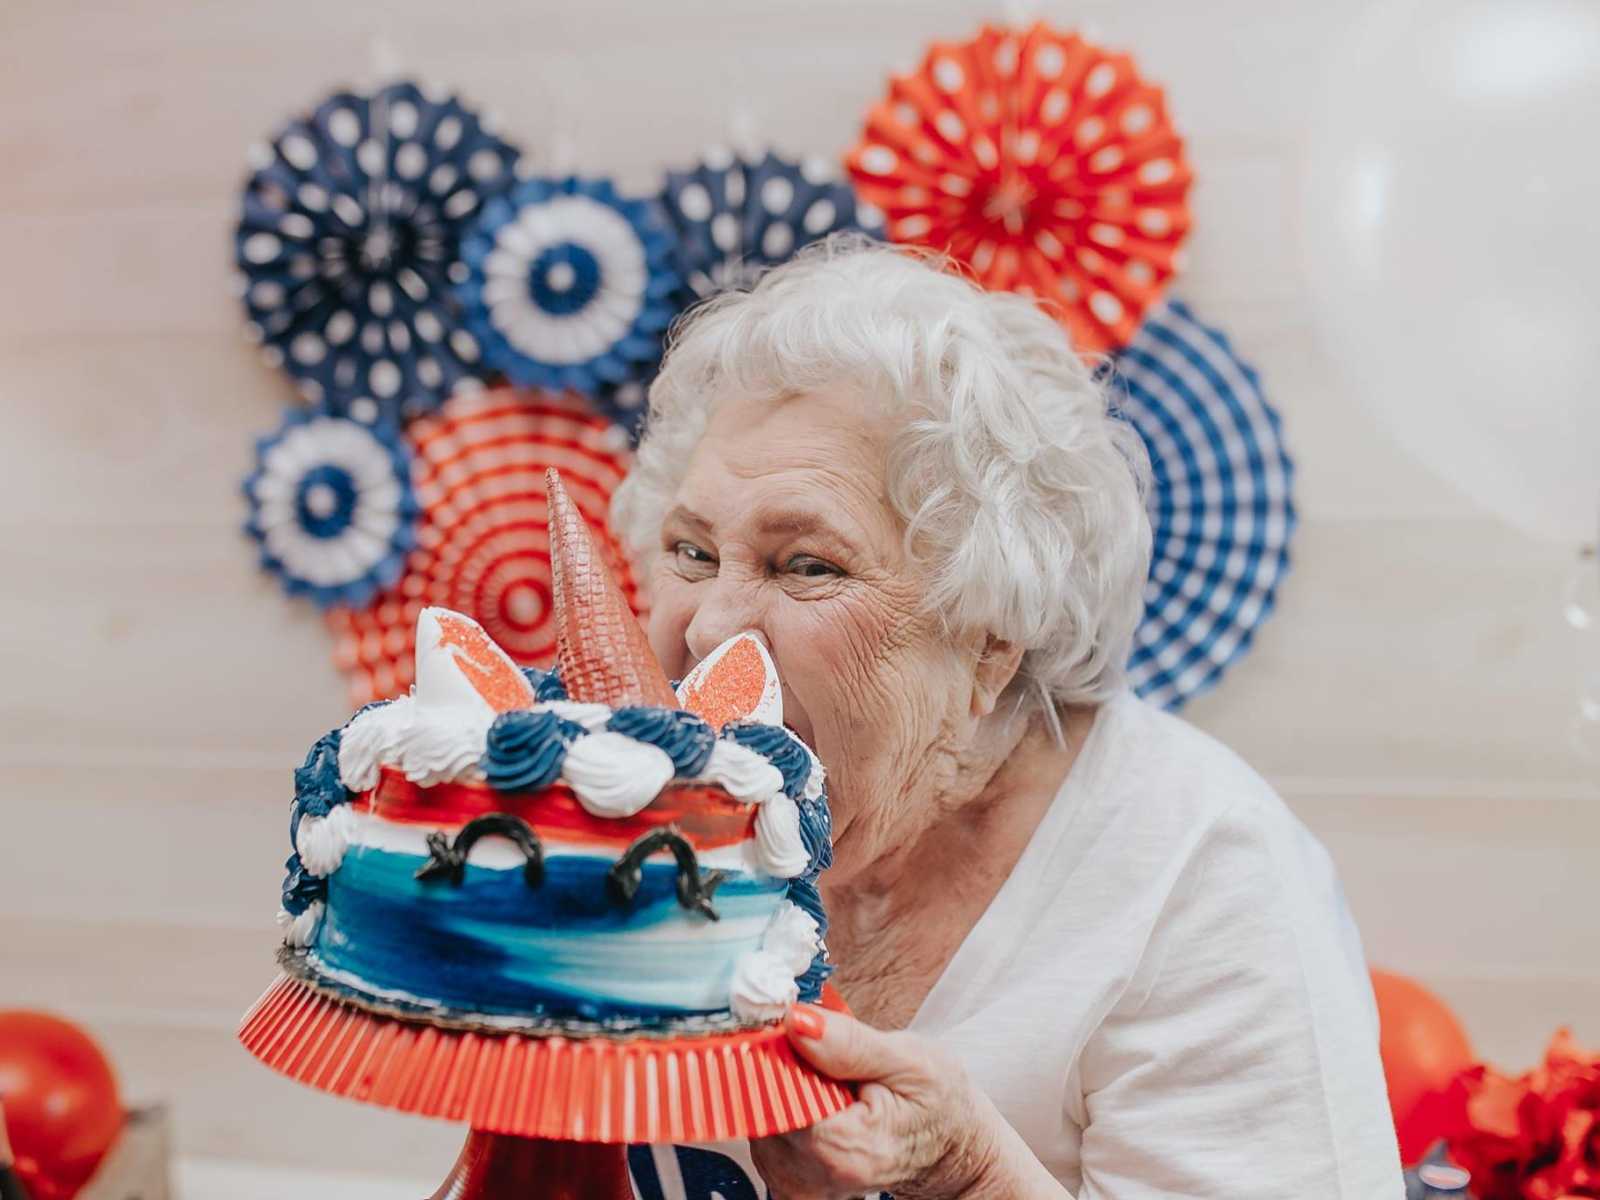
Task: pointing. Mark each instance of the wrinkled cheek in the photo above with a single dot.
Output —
(668, 625)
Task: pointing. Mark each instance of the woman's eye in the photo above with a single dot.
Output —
(691, 558)
(809, 567)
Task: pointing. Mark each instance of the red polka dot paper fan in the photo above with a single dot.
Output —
(482, 538)
(1043, 163)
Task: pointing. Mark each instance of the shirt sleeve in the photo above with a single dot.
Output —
(1242, 1059)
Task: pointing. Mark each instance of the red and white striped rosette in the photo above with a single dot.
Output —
(483, 546)
(713, 1087)
(1044, 164)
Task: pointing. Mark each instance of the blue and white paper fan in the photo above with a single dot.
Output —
(350, 223)
(733, 218)
(569, 286)
(1220, 505)
(332, 508)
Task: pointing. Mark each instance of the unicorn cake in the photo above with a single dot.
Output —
(581, 850)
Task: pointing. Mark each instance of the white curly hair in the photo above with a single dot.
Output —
(1021, 494)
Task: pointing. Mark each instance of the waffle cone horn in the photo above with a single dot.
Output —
(601, 651)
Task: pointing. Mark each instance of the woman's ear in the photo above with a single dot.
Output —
(998, 663)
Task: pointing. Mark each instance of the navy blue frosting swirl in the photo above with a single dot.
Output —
(686, 738)
(816, 831)
(779, 747)
(300, 887)
(525, 749)
(546, 685)
(317, 786)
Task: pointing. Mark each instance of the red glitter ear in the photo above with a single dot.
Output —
(736, 682)
(601, 651)
(486, 667)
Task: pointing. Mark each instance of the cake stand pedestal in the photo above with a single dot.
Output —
(497, 1166)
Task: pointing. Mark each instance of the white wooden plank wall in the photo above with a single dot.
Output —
(1410, 699)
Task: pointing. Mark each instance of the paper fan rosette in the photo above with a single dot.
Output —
(1044, 164)
(1221, 503)
(331, 507)
(349, 225)
(481, 545)
(733, 218)
(569, 286)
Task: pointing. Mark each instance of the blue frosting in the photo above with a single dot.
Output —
(686, 738)
(300, 887)
(546, 685)
(493, 944)
(778, 746)
(317, 787)
(525, 749)
(816, 831)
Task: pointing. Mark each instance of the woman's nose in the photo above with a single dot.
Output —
(727, 607)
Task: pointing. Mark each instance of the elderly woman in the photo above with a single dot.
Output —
(1087, 950)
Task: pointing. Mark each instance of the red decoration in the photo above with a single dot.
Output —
(1044, 164)
(705, 1088)
(492, 1165)
(60, 1101)
(1423, 1048)
(482, 543)
(1535, 1137)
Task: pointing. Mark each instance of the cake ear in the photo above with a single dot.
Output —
(458, 663)
(601, 652)
(735, 682)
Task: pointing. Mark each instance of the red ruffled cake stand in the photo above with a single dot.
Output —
(550, 1116)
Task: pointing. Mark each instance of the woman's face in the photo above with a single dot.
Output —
(783, 525)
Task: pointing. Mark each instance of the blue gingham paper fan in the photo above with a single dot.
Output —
(569, 286)
(733, 218)
(331, 507)
(1220, 505)
(349, 226)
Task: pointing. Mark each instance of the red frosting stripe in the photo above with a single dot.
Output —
(708, 817)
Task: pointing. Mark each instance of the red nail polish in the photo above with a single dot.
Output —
(806, 1021)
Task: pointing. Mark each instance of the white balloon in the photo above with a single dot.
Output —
(1452, 235)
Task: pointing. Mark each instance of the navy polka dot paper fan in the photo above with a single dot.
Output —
(332, 507)
(733, 218)
(569, 286)
(1221, 502)
(350, 223)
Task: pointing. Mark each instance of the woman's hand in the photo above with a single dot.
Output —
(919, 1128)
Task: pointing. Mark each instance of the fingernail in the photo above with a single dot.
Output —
(806, 1021)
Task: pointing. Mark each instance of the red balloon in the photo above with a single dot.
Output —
(1423, 1048)
(60, 1101)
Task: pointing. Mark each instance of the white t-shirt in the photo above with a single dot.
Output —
(1166, 998)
